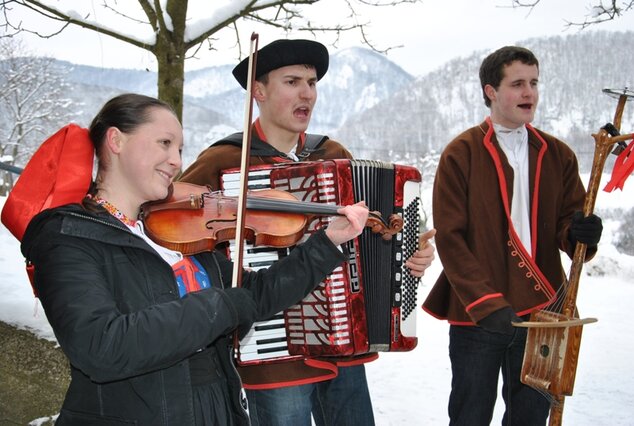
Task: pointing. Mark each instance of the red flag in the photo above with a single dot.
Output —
(623, 168)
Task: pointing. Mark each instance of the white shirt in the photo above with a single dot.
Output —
(292, 154)
(514, 143)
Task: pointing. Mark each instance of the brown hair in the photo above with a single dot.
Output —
(492, 68)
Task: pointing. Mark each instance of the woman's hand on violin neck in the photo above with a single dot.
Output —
(349, 225)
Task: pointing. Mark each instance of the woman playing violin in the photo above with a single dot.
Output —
(146, 329)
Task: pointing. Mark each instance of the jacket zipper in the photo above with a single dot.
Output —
(102, 222)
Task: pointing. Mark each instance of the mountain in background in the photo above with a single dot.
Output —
(424, 116)
(357, 79)
(381, 112)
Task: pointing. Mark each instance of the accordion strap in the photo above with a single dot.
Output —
(311, 144)
(258, 148)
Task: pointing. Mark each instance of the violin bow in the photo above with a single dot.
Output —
(244, 164)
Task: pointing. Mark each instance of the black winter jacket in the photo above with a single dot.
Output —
(116, 312)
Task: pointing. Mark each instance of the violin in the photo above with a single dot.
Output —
(193, 219)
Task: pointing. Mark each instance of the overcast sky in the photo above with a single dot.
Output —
(430, 33)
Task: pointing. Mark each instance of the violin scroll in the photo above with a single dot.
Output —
(388, 229)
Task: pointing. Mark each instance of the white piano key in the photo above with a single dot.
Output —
(254, 356)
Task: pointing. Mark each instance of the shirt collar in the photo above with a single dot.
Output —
(511, 139)
(298, 148)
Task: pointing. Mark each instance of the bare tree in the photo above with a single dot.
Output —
(32, 104)
(174, 35)
(599, 11)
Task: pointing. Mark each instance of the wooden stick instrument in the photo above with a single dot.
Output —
(554, 333)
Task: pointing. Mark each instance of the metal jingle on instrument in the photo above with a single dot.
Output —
(617, 93)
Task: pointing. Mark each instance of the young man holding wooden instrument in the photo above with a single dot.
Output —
(507, 198)
(285, 90)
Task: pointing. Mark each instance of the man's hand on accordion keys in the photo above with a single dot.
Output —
(349, 225)
(422, 258)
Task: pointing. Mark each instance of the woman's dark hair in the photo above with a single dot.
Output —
(126, 112)
(492, 68)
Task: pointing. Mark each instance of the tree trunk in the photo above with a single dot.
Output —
(170, 53)
(171, 77)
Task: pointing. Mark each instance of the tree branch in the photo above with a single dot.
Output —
(57, 15)
(150, 13)
(599, 12)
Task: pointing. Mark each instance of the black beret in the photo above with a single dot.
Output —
(281, 53)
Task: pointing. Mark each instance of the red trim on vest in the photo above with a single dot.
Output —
(444, 318)
(482, 299)
(526, 261)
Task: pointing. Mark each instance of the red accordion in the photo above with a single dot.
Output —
(368, 303)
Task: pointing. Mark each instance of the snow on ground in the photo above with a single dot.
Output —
(413, 387)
